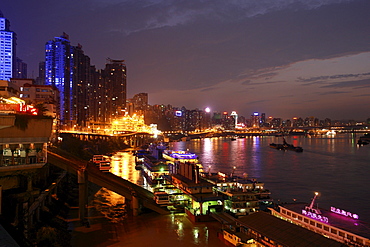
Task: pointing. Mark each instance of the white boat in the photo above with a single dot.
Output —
(337, 224)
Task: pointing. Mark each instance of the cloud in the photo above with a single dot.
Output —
(170, 13)
(332, 92)
(331, 77)
(349, 84)
(362, 95)
(257, 102)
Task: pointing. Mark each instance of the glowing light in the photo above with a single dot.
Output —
(343, 212)
(207, 110)
(315, 216)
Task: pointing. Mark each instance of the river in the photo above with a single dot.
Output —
(334, 166)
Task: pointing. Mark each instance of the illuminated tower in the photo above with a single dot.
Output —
(235, 116)
(58, 73)
(255, 120)
(7, 49)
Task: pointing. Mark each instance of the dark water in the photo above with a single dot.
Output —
(333, 166)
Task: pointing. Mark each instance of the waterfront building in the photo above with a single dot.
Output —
(23, 154)
(8, 89)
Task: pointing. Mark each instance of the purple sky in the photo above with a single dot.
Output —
(286, 58)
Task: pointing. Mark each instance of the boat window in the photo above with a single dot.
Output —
(359, 240)
(312, 223)
(333, 231)
(326, 228)
(341, 234)
(319, 225)
(294, 216)
(305, 220)
(300, 218)
(289, 214)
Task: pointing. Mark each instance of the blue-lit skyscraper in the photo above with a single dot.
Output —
(59, 73)
(7, 49)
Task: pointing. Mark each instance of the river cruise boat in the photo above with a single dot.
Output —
(337, 224)
(241, 196)
(102, 162)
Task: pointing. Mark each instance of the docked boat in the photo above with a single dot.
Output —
(102, 162)
(337, 224)
(241, 196)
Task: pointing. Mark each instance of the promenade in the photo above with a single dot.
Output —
(149, 229)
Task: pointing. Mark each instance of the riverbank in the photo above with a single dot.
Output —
(149, 229)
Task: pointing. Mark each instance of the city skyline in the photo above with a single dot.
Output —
(288, 58)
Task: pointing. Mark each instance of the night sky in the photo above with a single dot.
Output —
(286, 58)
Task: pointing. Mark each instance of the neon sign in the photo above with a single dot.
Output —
(343, 212)
(315, 216)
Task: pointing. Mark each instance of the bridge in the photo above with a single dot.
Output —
(87, 171)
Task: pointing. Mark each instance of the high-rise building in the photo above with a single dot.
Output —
(140, 101)
(115, 92)
(40, 80)
(20, 69)
(68, 69)
(58, 73)
(7, 49)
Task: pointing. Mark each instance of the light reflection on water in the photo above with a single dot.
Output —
(334, 166)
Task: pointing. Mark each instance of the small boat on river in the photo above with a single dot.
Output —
(286, 146)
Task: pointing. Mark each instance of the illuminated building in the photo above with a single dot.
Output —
(7, 49)
(235, 116)
(68, 69)
(58, 73)
(255, 119)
